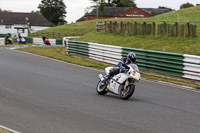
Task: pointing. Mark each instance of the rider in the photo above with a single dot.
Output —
(131, 58)
(8, 40)
(47, 42)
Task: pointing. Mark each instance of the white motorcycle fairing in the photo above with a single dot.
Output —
(119, 79)
(116, 81)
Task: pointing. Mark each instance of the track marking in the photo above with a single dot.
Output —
(153, 81)
(8, 129)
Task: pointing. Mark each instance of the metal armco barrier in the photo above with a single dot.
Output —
(80, 48)
(105, 53)
(191, 67)
(180, 65)
(161, 62)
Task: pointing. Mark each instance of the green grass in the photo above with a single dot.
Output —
(3, 131)
(75, 28)
(166, 44)
(185, 15)
(148, 42)
(16, 44)
(59, 54)
(191, 14)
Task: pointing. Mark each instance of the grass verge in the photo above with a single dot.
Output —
(59, 54)
(16, 44)
(3, 131)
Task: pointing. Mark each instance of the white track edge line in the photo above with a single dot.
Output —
(8, 129)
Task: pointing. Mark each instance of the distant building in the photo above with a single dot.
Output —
(125, 12)
(15, 22)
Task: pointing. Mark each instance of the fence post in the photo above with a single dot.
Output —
(165, 28)
(188, 29)
(135, 28)
(115, 27)
(176, 29)
(154, 28)
(122, 28)
(144, 28)
(105, 28)
(110, 27)
(128, 28)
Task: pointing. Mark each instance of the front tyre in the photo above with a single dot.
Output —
(101, 88)
(126, 91)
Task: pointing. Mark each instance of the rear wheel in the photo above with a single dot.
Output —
(126, 90)
(101, 88)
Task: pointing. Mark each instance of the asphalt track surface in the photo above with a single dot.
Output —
(40, 95)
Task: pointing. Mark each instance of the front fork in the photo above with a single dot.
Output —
(127, 84)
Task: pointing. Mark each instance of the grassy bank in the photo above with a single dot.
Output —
(59, 54)
(159, 43)
(73, 29)
(166, 44)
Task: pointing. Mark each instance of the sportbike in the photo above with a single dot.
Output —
(122, 84)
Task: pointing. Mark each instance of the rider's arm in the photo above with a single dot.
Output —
(120, 64)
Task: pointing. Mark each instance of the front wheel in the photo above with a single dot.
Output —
(127, 91)
(101, 88)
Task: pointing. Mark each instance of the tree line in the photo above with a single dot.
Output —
(55, 10)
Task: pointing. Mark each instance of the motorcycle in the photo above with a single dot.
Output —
(8, 40)
(122, 84)
(21, 40)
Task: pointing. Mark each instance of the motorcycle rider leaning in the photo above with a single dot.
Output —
(131, 58)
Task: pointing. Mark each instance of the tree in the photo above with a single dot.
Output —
(87, 10)
(164, 7)
(116, 3)
(5, 10)
(123, 3)
(54, 11)
(98, 3)
(35, 11)
(112, 3)
(186, 5)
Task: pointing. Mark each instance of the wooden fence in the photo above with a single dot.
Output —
(149, 28)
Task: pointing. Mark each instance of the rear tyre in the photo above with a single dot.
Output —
(101, 88)
(126, 93)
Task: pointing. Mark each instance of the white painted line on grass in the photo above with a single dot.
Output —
(8, 129)
(160, 82)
